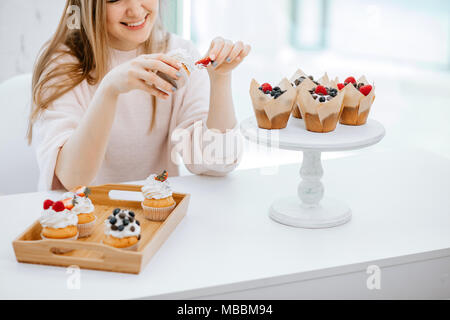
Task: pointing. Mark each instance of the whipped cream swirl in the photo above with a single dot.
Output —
(58, 220)
(155, 189)
(83, 204)
(122, 225)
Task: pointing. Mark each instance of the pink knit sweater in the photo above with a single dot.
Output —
(133, 152)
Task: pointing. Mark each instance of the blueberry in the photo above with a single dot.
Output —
(116, 211)
(114, 227)
(322, 99)
(131, 213)
(260, 88)
(333, 94)
(131, 219)
(277, 89)
(112, 220)
(121, 227)
(138, 223)
(126, 222)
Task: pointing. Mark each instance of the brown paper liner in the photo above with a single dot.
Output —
(157, 214)
(60, 250)
(356, 105)
(272, 113)
(296, 112)
(86, 229)
(312, 123)
(351, 117)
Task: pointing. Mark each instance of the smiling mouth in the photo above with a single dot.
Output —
(136, 24)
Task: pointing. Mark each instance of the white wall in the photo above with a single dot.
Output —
(24, 27)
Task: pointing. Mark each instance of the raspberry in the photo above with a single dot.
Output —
(47, 204)
(321, 90)
(350, 80)
(340, 86)
(204, 62)
(365, 90)
(266, 87)
(58, 206)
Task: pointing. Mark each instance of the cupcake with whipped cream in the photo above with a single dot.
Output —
(58, 222)
(122, 230)
(158, 201)
(77, 200)
(187, 67)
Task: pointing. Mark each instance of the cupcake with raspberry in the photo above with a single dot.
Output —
(358, 99)
(77, 200)
(158, 201)
(122, 230)
(272, 105)
(321, 108)
(58, 222)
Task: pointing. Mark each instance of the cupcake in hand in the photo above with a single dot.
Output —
(158, 201)
(58, 222)
(77, 200)
(122, 230)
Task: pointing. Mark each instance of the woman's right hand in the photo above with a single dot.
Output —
(140, 73)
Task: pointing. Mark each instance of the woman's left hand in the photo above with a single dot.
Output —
(226, 55)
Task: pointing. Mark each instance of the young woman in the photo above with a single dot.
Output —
(101, 114)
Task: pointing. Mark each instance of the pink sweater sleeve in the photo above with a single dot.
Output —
(204, 151)
(50, 133)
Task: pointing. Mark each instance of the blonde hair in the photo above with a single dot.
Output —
(88, 45)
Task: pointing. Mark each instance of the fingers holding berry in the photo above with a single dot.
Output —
(226, 55)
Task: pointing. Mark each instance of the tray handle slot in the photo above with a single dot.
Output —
(101, 194)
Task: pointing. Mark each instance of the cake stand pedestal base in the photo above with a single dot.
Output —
(329, 213)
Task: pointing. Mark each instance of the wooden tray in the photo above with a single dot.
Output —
(90, 253)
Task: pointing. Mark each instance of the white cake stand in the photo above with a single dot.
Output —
(310, 209)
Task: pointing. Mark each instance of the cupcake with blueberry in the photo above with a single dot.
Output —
(122, 230)
(300, 80)
(77, 200)
(58, 222)
(158, 201)
(272, 105)
(358, 99)
(320, 107)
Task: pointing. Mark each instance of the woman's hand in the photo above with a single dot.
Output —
(140, 73)
(226, 55)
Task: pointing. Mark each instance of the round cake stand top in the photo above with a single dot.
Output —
(296, 137)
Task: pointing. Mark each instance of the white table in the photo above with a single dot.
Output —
(228, 247)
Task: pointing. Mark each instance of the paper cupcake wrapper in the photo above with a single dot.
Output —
(157, 214)
(356, 106)
(130, 248)
(60, 250)
(272, 113)
(86, 229)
